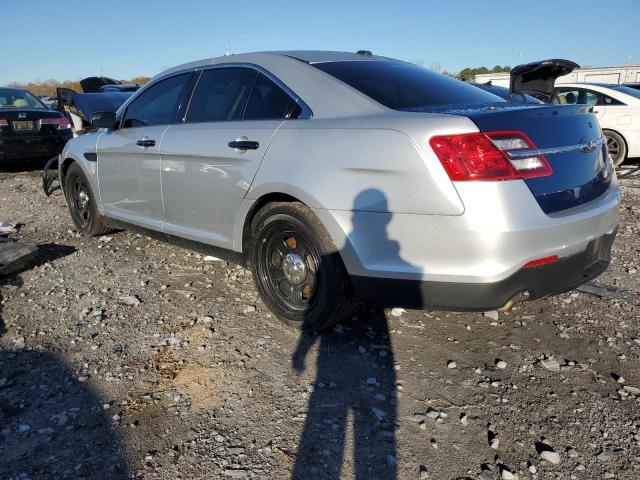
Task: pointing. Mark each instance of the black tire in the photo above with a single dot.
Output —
(297, 269)
(82, 206)
(616, 146)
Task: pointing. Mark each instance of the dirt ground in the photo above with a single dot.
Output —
(123, 357)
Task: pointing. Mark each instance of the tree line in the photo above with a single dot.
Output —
(48, 87)
(468, 73)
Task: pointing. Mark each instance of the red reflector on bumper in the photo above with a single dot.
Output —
(541, 261)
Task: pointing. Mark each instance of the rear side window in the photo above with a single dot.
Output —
(220, 95)
(158, 104)
(404, 86)
(268, 101)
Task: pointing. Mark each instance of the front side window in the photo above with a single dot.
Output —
(268, 101)
(158, 104)
(220, 95)
(404, 86)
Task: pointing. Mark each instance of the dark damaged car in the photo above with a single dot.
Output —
(98, 94)
(29, 130)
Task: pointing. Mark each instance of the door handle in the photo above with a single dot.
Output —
(146, 143)
(244, 145)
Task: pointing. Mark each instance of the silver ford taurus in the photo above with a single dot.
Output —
(337, 176)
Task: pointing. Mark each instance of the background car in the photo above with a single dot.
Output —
(336, 176)
(504, 92)
(29, 130)
(617, 108)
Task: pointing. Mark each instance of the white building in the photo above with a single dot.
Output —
(623, 74)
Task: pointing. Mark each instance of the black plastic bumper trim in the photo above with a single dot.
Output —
(541, 281)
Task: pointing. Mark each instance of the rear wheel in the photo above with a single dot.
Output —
(297, 269)
(616, 147)
(82, 205)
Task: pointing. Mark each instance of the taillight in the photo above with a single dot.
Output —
(486, 156)
(60, 123)
(3, 123)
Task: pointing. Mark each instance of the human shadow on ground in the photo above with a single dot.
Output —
(52, 425)
(355, 381)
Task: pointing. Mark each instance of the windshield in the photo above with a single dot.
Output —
(10, 98)
(628, 90)
(404, 86)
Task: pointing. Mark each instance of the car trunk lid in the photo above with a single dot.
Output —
(568, 136)
(539, 78)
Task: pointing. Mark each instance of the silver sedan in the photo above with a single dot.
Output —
(337, 176)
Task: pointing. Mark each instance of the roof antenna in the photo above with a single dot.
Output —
(227, 50)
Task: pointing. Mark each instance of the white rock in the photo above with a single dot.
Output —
(397, 312)
(550, 364)
(493, 315)
(211, 258)
(132, 300)
(507, 475)
(501, 364)
(464, 420)
(451, 364)
(550, 456)
(632, 390)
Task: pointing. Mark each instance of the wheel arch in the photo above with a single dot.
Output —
(250, 207)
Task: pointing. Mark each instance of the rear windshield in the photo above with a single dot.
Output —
(404, 86)
(628, 90)
(18, 99)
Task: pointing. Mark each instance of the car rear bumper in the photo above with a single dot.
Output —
(535, 282)
(36, 147)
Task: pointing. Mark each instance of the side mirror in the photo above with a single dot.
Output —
(103, 120)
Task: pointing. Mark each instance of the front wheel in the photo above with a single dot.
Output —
(82, 205)
(616, 147)
(297, 269)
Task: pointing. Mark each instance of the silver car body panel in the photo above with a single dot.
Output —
(419, 225)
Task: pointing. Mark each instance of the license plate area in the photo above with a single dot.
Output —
(23, 125)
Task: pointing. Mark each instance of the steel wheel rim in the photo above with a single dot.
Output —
(81, 201)
(280, 245)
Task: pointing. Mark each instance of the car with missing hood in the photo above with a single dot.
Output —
(98, 94)
(336, 176)
(29, 130)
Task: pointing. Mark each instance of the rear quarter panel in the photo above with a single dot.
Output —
(329, 163)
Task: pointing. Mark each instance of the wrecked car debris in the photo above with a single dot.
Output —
(607, 292)
(16, 256)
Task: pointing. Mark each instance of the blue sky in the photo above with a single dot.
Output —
(68, 40)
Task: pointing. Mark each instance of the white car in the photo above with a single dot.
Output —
(618, 110)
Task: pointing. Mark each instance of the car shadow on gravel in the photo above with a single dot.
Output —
(52, 425)
(355, 381)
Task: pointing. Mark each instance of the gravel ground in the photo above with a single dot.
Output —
(123, 357)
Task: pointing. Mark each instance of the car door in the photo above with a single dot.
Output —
(209, 161)
(129, 156)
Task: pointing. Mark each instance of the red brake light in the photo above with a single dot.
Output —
(541, 261)
(3, 123)
(61, 122)
(485, 156)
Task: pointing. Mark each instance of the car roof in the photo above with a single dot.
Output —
(320, 56)
(13, 89)
(306, 56)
